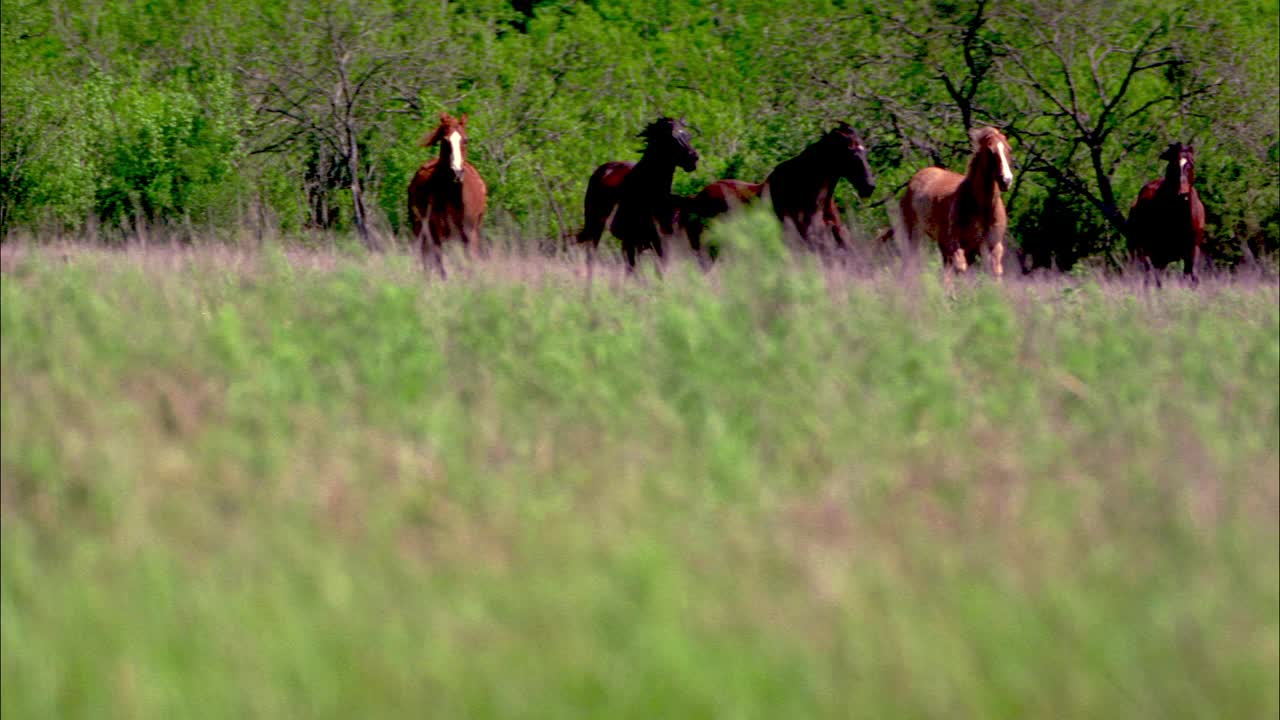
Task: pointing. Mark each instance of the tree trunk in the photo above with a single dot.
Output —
(1107, 194)
(357, 194)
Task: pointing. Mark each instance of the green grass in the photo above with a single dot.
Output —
(309, 485)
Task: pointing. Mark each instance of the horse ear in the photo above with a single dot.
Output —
(462, 120)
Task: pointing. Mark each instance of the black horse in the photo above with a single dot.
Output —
(800, 190)
(638, 195)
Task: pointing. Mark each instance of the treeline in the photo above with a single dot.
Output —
(291, 115)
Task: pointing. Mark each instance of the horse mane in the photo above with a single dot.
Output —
(817, 146)
(437, 135)
(663, 127)
(656, 126)
(979, 137)
(982, 134)
(844, 128)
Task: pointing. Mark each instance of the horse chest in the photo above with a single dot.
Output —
(638, 219)
(446, 191)
(1171, 214)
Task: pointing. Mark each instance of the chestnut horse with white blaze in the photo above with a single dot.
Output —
(1166, 222)
(963, 214)
(447, 195)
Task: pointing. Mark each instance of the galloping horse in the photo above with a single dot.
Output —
(638, 195)
(1166, 222)
(800, 191)
(964, 214)
(447, 195)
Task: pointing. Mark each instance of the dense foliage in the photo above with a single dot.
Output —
(290, 114)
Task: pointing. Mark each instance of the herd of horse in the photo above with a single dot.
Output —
(963, 215)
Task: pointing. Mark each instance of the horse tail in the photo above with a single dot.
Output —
(597, 206)
(905, 226)
(415, 212)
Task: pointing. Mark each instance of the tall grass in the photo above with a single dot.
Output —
(303, 484)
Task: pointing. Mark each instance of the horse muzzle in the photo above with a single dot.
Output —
(690, 163)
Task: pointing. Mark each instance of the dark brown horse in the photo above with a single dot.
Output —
(638, 195)
(447, 195)
(1166, 222)
(800, 190)
(963, 214)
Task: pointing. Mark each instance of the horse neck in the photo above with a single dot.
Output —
(811, 170)
(979, 185)
(655, 171)
(1172, 184)
(444, 155)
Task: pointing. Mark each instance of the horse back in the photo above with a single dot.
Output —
(935, 183)
(610, 176)
(1146, 197)
(604, 189)
(926, 204)
(722, 196)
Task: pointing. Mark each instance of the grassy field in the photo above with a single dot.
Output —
(290, 483)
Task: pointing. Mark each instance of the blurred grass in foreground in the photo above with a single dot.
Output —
(267, 485)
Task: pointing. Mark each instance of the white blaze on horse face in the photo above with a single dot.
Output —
(1006, 173)
(1182, 162)
(455, 160)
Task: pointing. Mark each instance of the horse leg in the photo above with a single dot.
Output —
(905, 235)
(1189, 265)
(660, 262)
(433, 251)
(693, 229)
(437, 254)
(629, 250)
(475, 242)
(470, 246)
(432, 256)
(424, 247)
(1149, 272)
(596, 212)
(995, 256)
(841, 235)
(952, 254)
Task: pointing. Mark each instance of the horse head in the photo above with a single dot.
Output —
(1182, 166)
(451, 135)
(843, 145)
(670, 137)
(992, 148)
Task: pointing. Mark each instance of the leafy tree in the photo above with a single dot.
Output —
(302, 116)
